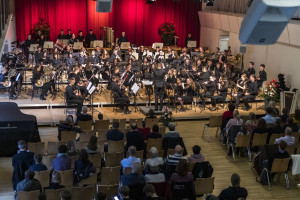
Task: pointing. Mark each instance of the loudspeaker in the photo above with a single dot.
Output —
(265, 20)
(243, 48)
(104, 6)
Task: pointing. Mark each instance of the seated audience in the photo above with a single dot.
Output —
(275, 111)
(238, 150)
(284, 115)
(172, 133)
(288, 138)
(251, 123)
(269, 118)
(62, 162)
(67, 126)
(72, 151)
(182, 173)
(276, 128)
(135, 138)
(154, 175)
(124, 192)
(84, 116)
(21, 162)
(261, 127)
(281, 153)
(154, 160)
(55, 181)
(235, 191)
(81, 165)
(93, 147)
(128, 162)
(297, 116)
(115, 134)
(173, 160)
(100, 116)
(134, 178)
(38, 166)
(150, 193)
(290, 123)
(155, 132)
(227, 115)
(65, 195)
(235, 121)
(196, 156)
(150, 115)
(28, 184)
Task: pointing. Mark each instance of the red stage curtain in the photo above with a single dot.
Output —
(139, 20)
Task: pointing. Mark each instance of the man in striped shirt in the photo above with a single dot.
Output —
(173, 160)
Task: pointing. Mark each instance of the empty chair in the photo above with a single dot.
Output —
(296, 135)
(47, 161)
(291, 149)
(204, 185)
(36, 147)
(24, 195)
(85, 125)
(150, 122)
(113, 159)
(68, 135)
(139, 122)
(162, 130)
(66, 177)
(53, 194)
(214, 122)
(110, 175)
(85, 135)
(154, 143)
(115, 146)
(102, 134)
(122, 124)
(80, 193)
(92, 180)
(257, 141)
(74, 158)
(43, 177)
(96, 160)
(109, 190)
(241, 141)
(102, 124)
(81, 145)
(53, 147)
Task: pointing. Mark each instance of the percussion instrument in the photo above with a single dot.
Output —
(59, 45)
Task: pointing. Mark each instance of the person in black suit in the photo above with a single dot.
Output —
(122, 38)
(80, 37)
(37, 36)
(209, 91)
(159, 85)
(188, 38)
(115, 134)
(251, 92)
(27, 44)
(251, 69)
(69, 35)
(84, 116)
(135, 138)
(38, 54)
(222, 87)
(262, 75)
(37, 74)
(119, 94)
(21, 162)
(155, 132)
(72, 96)
(67, 126)
(90, 37)
(42, 41)
(61, 36)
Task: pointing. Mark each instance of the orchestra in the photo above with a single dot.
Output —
(195, 73)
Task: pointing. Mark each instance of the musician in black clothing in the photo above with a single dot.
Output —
(210, 66)
(69, 35)
(209, 90)
(188, 38)
(251, 92)
(37, 74)
(251, 69)
(37, 36)
(70, 61)
(262, 75)
(142, 53)
(38, 54)
(189, 90)
(195, 74)
(90, 37)
(27, 44)
(81, 59)
(42, 41)
(80, 37)
(129, 56)
(127, 76)
(56, 63)
(171, 56)
(170, 79)
(218, 70)
(61, 36)
(159, 85)
(119, 94)
(222, 87)
(199, 65)
(184, 56)
(122, 38)
(94, 59)
(187, 65)
(241, 88)
(204, 75)
(223, 58)
(72, 40)
(73, 96)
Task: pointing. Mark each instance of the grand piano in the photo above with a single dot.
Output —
(15, 126)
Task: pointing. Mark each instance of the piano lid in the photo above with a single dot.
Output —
(9, 111)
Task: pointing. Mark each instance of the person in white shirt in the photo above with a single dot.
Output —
(128, 162)
(154, 160)
(288, 138)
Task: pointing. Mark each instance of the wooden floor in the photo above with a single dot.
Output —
(191, 131)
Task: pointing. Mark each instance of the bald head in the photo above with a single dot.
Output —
(131, 150)
(178, 150)
(288, 131)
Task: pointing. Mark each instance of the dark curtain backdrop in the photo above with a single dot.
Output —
(139, 20)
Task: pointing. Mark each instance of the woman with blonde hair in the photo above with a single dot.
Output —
(235, 121)
(189, 90)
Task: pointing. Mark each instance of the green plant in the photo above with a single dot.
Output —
(42, 26)
(167, 32)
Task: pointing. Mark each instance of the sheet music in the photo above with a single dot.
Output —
(92, 89)
(89, 86)
(135, 88)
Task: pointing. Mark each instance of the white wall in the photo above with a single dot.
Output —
(9, 35)
(282, 57)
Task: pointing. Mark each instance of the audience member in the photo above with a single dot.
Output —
(55, 181)
(21, 162)
(134, 178)
(290, 123)
(281, 153)
(28, 184)
(297, 116)
(135, 138)
(72, 151)
(154, 175)
(83, 167)
(150, 192)
(129, 162)
(62, 162)
(284, 115)
(151, 114)
(154, 160)
(172, 133)
(251, 123)
(155, 132)
(173, 160)
(67, 126)
(84, 116)
(269, 118)
(275, 111)
(196, 156)
(261, 127)
(124, 192)
(93, 147)
(235, 191)
(227, 115)
(288, 138)
(182, 173)
(276, 128)
(65, 195)
(100, 116)
(235, 121)
(115, 134)
(38, 166)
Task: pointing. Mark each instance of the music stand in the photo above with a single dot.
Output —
(77, 45)
(136, 55)
(124, 45)
(33, 47)
(192, 44)
(48, 45)
(96, 43)
(135, 88)
(160, 45)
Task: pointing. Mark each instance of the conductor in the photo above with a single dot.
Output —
(159, 85)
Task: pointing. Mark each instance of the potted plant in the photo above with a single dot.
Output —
(271, 92)
(166, 117)
(42, 26)
(167, 33)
